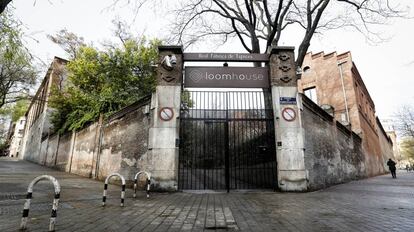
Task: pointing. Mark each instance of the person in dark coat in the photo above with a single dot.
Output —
(391, 165)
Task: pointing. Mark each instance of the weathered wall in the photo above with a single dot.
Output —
(52, 150)
(120, 145)
(337, 80)
(83, 148)
(333, 154)
(371, 146)
(64, 152)
(43, 151)
(125, 142)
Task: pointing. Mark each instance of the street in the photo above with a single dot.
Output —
(375, 204)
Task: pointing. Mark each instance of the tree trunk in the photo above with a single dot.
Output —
(3, 4)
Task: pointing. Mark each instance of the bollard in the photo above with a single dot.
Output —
(106, 187)
(29, 198)
(148, 182)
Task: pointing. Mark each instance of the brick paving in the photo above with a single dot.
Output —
(375, 204)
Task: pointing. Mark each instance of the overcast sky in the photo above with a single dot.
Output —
(387, 68)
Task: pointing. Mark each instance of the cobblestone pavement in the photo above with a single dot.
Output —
(375, 204)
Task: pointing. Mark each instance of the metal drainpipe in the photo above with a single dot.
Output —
(343, 90)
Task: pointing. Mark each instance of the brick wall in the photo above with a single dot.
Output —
(337, 80)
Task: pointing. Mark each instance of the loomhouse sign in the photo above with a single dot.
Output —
(226, 77)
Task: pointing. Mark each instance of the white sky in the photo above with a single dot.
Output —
(385, 68)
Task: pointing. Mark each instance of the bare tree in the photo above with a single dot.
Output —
(405, 127)
(260, 24)
(405, 121)
(68, 41)
(3, 4)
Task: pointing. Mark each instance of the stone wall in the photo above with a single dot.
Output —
(118, 144)
(333, 154)
(64, 152)
(83, 147)
(53, 142)
(124, 143)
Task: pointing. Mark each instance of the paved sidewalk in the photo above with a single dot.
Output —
(375, 204)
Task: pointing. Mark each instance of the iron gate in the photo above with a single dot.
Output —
(227, 141)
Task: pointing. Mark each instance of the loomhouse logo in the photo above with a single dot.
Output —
(196, 76)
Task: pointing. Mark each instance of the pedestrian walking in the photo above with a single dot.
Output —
(407, 167)
(391, 165)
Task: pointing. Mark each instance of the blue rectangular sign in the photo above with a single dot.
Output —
(287, 100)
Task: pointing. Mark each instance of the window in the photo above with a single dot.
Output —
(311, 94)
(306, 69)
(343, 117)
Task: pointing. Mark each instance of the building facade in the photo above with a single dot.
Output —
(389, 128)
(333, 82)
(17, 137)
(38, 125)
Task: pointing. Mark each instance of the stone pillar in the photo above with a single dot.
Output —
(163, 134)
(292, 175)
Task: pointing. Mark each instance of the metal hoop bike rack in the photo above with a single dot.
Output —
(29, 198)
(148, 182)
(106, 187)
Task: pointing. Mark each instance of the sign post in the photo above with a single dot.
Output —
(227, 57)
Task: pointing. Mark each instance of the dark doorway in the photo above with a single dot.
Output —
(227, 141)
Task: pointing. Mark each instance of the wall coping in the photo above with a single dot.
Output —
(134, 106)
(324, 115)
(276, 49)
(315, 108)
(356, 136)
(343, 128)
(173, 48)
(382, 130)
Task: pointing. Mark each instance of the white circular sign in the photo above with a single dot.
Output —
(166, 113)
(289, 114)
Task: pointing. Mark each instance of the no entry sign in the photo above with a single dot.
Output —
(289, 114)
(166, 113)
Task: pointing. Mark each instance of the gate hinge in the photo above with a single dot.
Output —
(177, 142)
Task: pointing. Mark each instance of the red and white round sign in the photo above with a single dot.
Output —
(166, 113)
(289, 114)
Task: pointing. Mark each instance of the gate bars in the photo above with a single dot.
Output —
(29, 198)
(227, 140)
